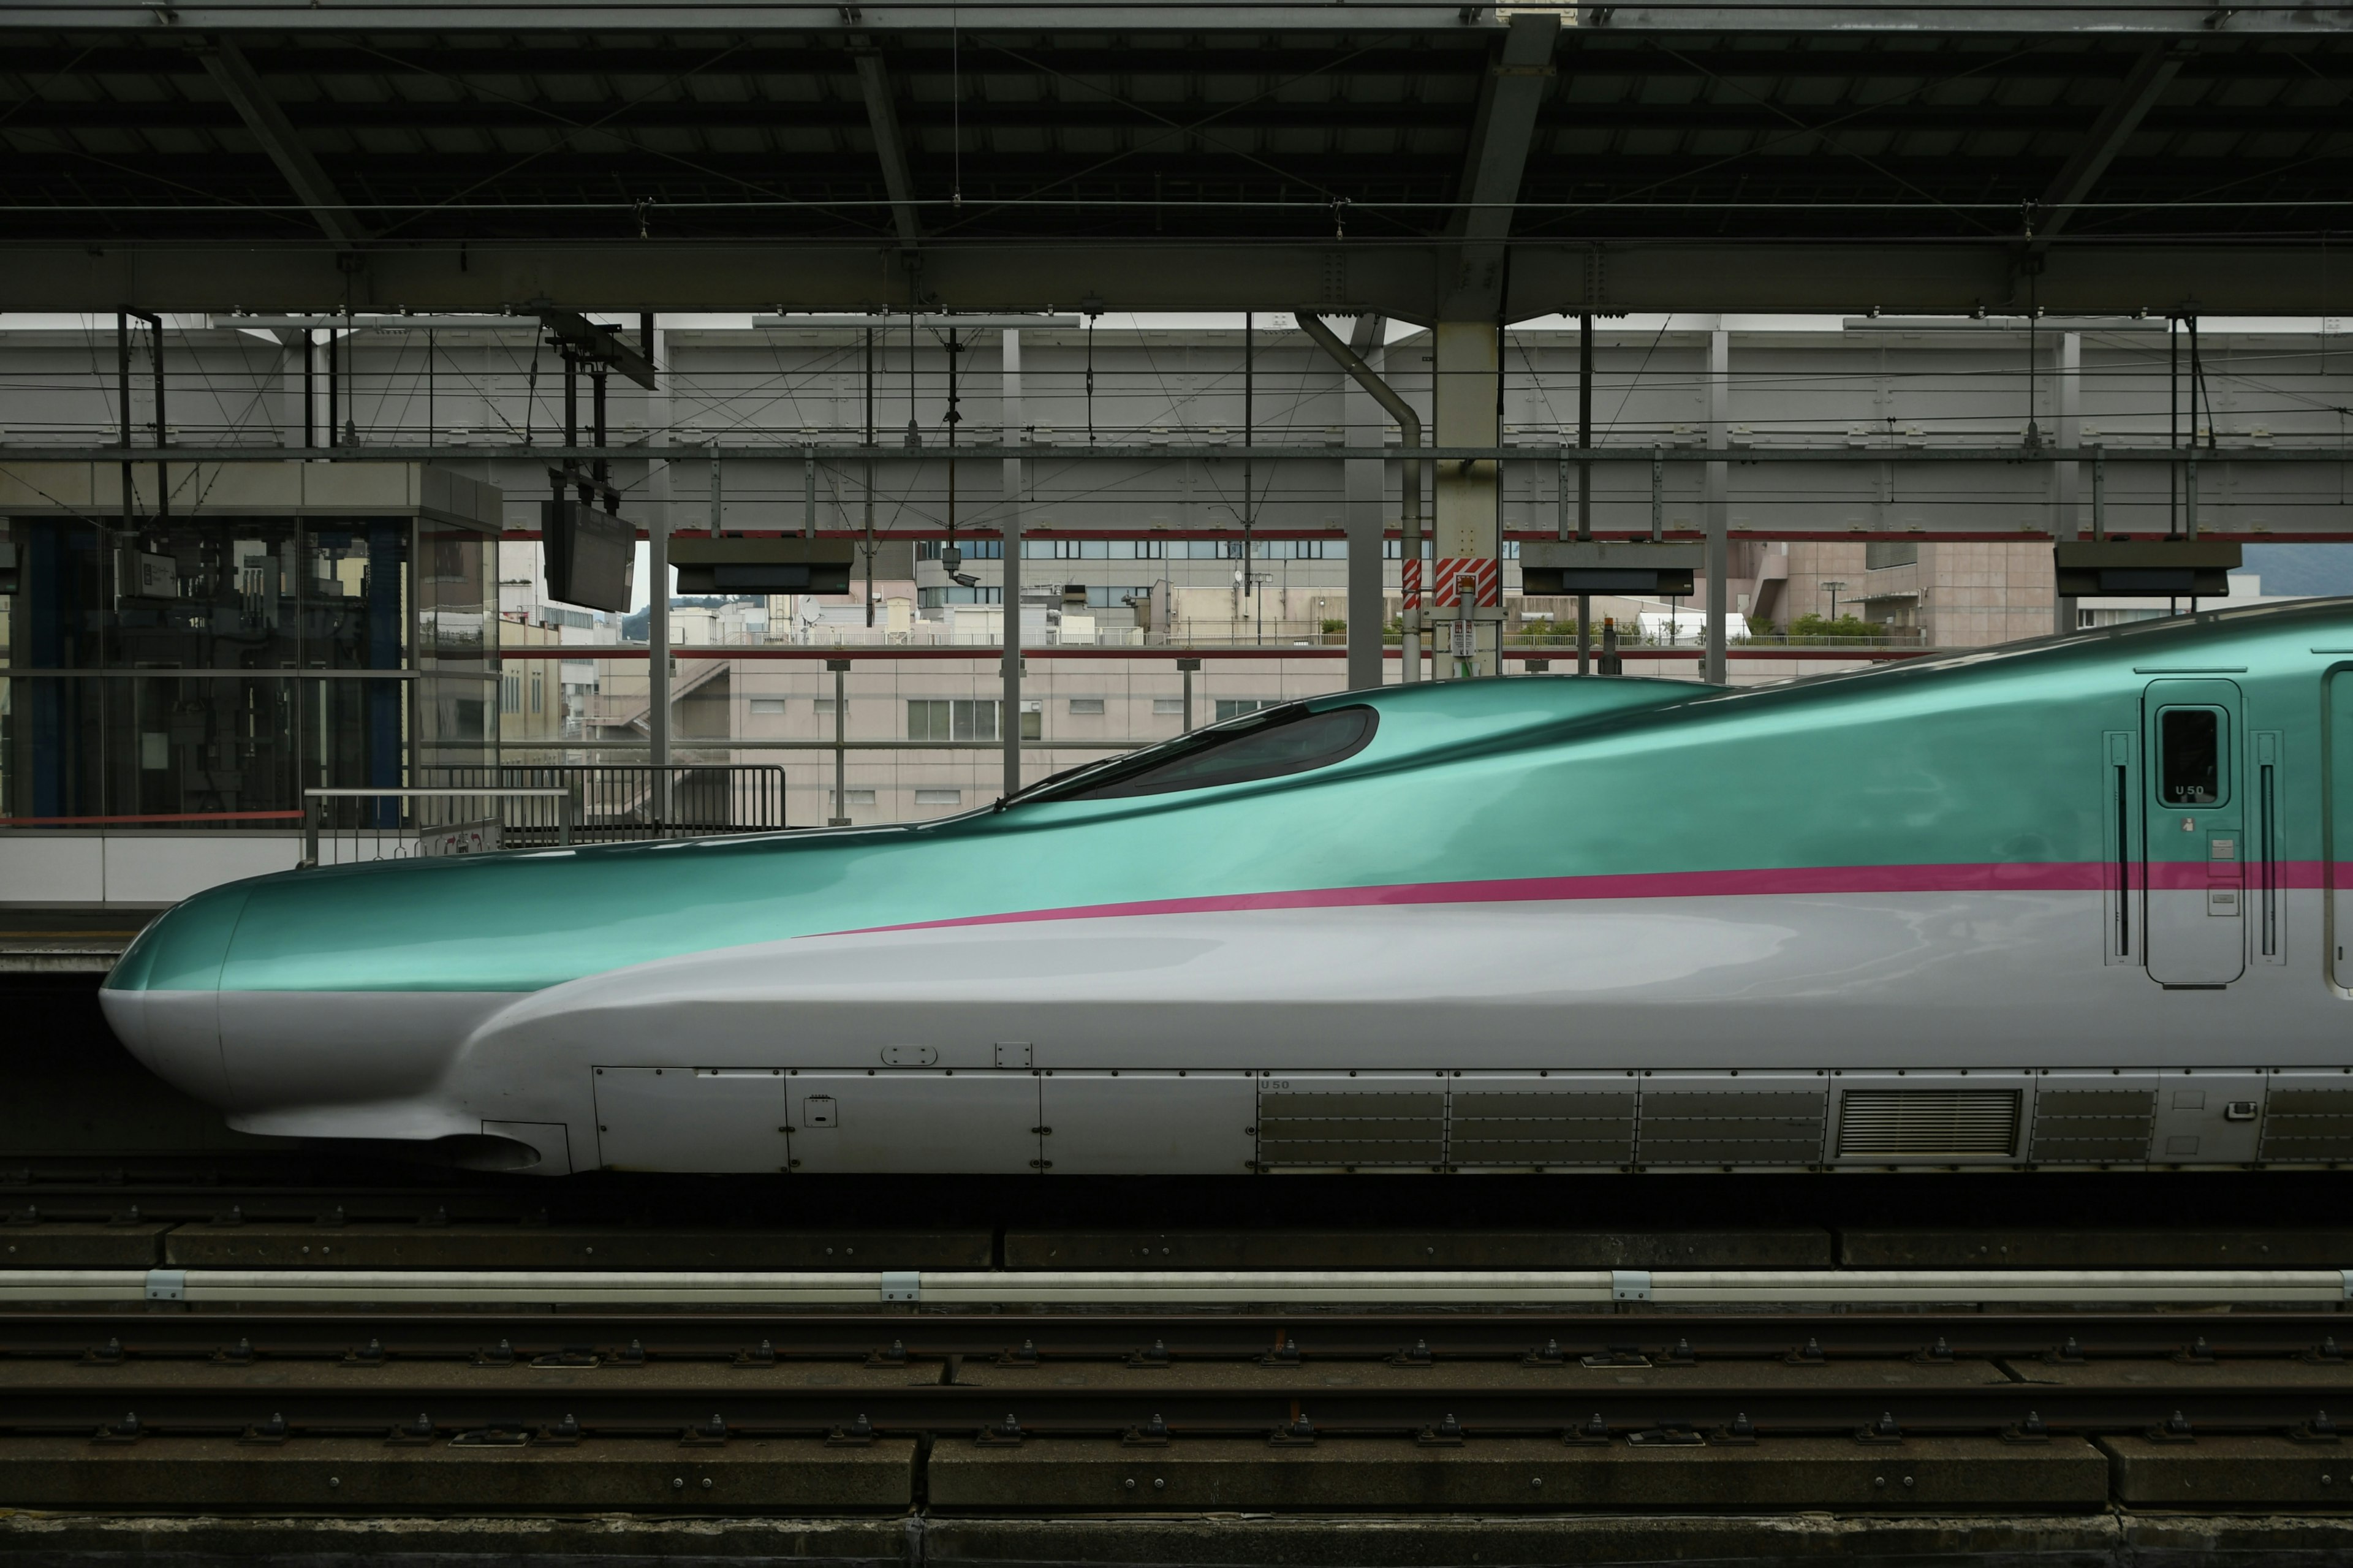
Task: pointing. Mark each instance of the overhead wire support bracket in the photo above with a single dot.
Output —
(595, 341)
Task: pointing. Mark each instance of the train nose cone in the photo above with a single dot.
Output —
(176, 1035)
(163, 997)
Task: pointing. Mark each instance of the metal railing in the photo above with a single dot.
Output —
(416, 834)
(608, 803)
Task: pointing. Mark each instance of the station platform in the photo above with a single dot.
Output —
(2122, 1539)
(37, 939)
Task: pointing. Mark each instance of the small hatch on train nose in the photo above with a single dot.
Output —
(910, 1056)
(819, 1110)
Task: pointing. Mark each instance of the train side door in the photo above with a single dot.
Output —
(2336, 845)
(2194, 848)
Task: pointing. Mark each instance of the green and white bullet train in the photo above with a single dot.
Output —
(2072, 903)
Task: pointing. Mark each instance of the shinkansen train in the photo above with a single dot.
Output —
(2073, 903)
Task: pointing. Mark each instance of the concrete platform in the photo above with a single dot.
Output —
(330, 1475)
(2153, 1246)
(2231, 1471)
(1212, 1474)
(37, 940)
(2127, 1376)
(507, 1247)
(86, 1540)
(70, 1244)
(1576, 1384)
(1784, 1248)
(158, 1385)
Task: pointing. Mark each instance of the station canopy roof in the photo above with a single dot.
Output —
(1211, 154)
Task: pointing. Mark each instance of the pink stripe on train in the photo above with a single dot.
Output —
(2047, 877)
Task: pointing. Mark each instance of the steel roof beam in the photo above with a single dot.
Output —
(1493, 165)
(1194, 18)
(2147, 81)
(1750, 117)
(890, 146)
(1840, 276)
(268, 124)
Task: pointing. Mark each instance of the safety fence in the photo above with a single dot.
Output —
(346, 826)
(605, 803)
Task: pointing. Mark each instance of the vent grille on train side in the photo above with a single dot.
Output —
(1928, 1123)
(1538, 1127)
(1351, 1127)
(2302, 1124)
(1731, 1127)
(2092, 1126)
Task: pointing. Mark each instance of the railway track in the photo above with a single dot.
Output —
(1061, 1411)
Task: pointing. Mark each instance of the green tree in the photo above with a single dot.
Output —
(1814, 625)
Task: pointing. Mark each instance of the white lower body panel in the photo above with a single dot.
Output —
(1853, 1031)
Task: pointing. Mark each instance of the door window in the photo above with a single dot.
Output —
(2190, 756)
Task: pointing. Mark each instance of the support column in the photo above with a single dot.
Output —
(658, 521)
(1718, 513)
(1468, 531)
(2068, 480)
(1366, 483)
(1585, 480)
(1011, 485)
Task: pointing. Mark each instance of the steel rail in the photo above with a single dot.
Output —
(363, 1391)
(1167, 1289)
(937, 1333)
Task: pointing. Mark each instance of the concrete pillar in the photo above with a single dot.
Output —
(658, 601)
(1366, 487)
(1464, 369)
(2067, 520)
(658, 522)
(1718, 511)
(1010, 498)
(294, 386)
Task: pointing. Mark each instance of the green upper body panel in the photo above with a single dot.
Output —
(1987, 758)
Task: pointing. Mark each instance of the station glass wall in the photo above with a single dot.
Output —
(202, 672)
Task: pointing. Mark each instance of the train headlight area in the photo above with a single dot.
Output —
(1573, 780)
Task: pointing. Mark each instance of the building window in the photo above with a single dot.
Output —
(824, 708)
(774, 705)
(1235, 707)
(1394, 549)
(852, 797)
(951, 719)
(972, 549)
(935, 598)
(1168, 707)
(539, 691)
(1093, 705)
(510, 694)
(939, 797)
(1894, 553)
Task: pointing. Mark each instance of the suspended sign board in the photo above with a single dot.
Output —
(592, 556)
(731, 564)
(1639, 567)
(2137, 568)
